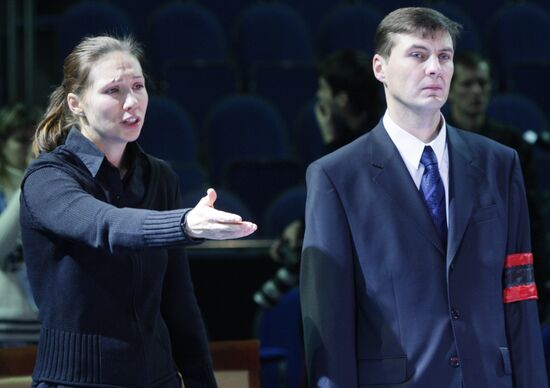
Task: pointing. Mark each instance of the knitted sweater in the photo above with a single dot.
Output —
(112, 283)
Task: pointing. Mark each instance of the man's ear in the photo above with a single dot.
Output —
(378, 66)
(75, 105)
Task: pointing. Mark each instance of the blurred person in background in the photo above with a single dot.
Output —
(348, 104)
(18, 313)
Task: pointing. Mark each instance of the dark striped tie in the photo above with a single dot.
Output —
(431, 187)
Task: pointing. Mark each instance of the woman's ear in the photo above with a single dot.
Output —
(75, 105)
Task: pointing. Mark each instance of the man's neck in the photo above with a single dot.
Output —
(424, 126)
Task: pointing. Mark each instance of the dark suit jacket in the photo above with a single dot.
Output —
(384, 304)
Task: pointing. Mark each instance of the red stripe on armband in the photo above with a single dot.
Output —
(519, 293)
(519, 278)
(518, 259)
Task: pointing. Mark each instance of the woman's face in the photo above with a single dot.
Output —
(115, 100)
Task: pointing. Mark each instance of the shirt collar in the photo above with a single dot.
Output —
(90, 155)
(410, 147)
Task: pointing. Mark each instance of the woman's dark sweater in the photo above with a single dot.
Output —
(109, 272)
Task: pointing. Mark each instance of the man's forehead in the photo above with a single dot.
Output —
(439, 37)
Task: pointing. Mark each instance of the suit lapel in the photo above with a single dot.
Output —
(390, 172)
(465, 183)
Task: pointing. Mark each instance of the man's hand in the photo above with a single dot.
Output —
(323, 115)
(203, 221)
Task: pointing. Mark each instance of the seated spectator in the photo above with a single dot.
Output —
(348, 104)
(18, 312)
(469, 96)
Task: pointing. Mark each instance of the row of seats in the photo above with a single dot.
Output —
(195, 60)
(278, 30)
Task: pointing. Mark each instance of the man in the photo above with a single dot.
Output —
(347, 98)
(416, 267)
(346, 81)
(469, 97)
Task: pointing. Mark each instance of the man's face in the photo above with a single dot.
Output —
(471, 89)
(417, 73)
(325, 98)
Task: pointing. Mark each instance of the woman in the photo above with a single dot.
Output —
(18, 314)
(103, 228)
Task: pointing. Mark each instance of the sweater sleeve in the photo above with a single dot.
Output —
(53, 201)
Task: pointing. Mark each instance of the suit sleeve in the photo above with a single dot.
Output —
(184, 320)
(327, 287)
(523, 327)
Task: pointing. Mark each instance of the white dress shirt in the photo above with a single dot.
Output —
(411, 148)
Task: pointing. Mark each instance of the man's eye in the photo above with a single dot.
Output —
(139, 86)
(111, 91)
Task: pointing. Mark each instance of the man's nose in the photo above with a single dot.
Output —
(433, 66)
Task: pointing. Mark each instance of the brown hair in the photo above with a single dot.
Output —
(58, 119)
(412, 20)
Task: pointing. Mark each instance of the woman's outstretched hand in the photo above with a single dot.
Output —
(203, 221)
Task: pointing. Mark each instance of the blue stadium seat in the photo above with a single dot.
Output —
(287, 85)
(89, 18)
(258, 182)
(198, 85)
(313, 11)
(285, 208)
(168, 132)
(515, 37)
(279, 332)
(227, 12)
(349, 26)
(470, 38)
(518, 110)
(243, 127)
(269, 32)
(185, 32)
(532, 79)
(192, 176)
(387, 6)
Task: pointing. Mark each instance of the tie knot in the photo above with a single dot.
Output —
(428, 157)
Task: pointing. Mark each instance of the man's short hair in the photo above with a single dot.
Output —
(350, 71)
(414, 21)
